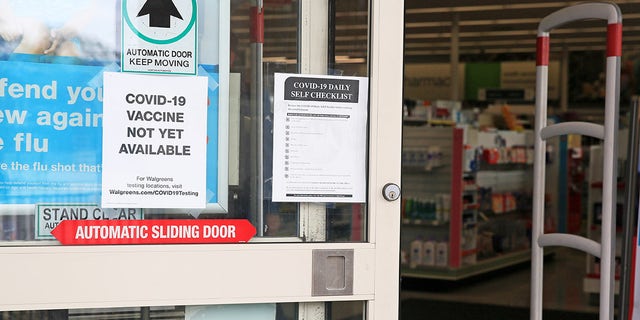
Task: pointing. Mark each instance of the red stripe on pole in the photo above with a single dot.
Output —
(542, 56)
(614, 40)
(121, 232)
(256, 29)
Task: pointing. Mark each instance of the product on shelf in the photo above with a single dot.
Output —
(432, 209)
(442, 254)
(429, 253)
(465, 213)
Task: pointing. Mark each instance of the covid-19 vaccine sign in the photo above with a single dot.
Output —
(154, 141)
(159, 36)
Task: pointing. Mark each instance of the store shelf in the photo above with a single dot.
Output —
(475, 242)
(422, 223)
(468, 271)
(591, 281)
(598, 185)
(432, 122)
(592, 285)
(420, 169)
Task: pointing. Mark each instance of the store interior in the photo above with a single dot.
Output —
(469, 87)
(470, 80)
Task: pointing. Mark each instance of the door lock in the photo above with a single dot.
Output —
(391, 192)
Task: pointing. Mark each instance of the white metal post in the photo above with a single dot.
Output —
(385, 152)
(312, 59)
(605, 250)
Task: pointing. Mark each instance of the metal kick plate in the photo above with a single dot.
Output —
(332, 273)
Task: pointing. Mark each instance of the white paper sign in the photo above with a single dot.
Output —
(154, 141)
(48, 216)
(319, 138)
(159, 36)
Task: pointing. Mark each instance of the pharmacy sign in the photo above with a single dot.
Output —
(159, 36)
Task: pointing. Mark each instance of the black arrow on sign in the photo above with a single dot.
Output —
(160, 12)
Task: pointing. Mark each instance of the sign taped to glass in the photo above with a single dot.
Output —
(51, 98)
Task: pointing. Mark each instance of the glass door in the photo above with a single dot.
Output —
(293, 213)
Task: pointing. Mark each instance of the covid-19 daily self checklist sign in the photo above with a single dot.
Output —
(319, 138)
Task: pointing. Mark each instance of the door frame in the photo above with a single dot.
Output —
(57, 277)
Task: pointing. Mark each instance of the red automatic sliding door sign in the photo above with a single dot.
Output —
(115, 232)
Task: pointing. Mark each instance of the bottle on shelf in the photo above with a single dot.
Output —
(415, 254)
(429, 253)
(442, 254)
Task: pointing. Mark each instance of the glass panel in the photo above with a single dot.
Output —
(350, 310)
(51, 108)
(344, 222)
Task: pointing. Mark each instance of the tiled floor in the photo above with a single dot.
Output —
(562, 286)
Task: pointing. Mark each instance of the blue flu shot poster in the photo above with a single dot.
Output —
(50, 143)
(51, 118)
(52, 58)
